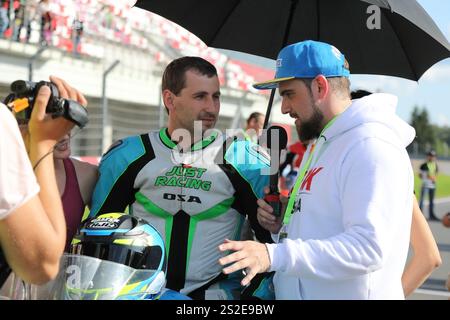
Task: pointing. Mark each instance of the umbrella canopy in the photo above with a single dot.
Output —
(396, 38)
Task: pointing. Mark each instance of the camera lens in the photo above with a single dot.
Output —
(21, 86)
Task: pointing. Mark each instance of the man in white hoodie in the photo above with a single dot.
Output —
(346, 229)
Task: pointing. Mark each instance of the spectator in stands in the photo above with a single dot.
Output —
(15, 25)
(77, 32)
(18, 19)
(32, 227)
(106, 13)
(25, 11)
(190, 183)
(4, 19)
(30, 12)
(46, 16)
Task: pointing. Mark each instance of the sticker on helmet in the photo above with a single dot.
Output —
(104, 223)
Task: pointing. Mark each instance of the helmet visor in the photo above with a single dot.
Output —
(149, 257)
(86, 278)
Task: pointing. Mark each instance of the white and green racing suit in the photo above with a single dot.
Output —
(196, 200)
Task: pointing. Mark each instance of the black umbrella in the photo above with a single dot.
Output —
(387, 37)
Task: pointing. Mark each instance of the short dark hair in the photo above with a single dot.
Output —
(358, 94)
(339, 85)
(174, 76)
(254, 115)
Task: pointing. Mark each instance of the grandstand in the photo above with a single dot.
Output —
(143, 43)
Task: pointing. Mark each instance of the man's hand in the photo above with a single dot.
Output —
(265, 214)
(41, 126)
(249, 255)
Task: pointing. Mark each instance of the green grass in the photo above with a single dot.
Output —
(442, 186)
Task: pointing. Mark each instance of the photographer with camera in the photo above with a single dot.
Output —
(32, 226)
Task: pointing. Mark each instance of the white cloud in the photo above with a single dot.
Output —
(442, 120)
(440, 72)
(383, 84)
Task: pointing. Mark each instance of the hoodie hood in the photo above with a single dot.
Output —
(375, 108)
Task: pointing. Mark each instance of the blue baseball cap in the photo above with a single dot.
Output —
(307, 59)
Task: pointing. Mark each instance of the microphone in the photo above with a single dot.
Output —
(276, 141)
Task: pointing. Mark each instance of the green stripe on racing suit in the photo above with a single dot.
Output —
(196, 199)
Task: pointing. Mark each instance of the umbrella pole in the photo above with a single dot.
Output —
(285, 40)
(269, 108)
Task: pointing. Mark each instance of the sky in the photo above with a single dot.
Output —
(432, 91)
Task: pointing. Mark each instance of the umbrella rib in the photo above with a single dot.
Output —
(318, 19)
(224, 20)
(287, 29)
(401, 44)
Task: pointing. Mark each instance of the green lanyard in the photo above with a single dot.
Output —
(298, 182)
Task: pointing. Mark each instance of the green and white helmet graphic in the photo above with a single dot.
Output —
(121, 242)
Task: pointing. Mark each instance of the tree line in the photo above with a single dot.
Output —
(428, 136)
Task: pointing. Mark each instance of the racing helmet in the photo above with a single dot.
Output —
(128, 241)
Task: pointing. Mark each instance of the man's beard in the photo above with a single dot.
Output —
(311, 128)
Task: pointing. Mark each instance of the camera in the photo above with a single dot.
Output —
(23, 96)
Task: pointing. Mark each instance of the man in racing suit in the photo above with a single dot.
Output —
(196, 192)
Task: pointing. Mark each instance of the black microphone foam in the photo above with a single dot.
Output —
(276, 141)
(276, 138)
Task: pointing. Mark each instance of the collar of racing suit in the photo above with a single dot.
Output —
(168, 142)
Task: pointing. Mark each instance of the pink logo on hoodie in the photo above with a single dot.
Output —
(307, 181)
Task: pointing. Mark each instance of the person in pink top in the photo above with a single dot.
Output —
(75, 179)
